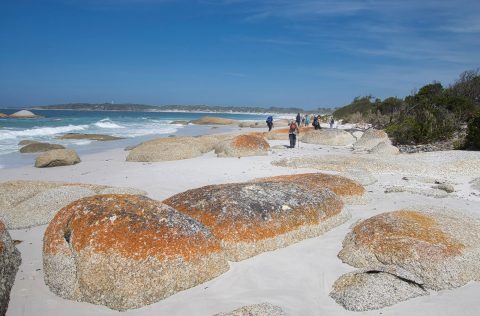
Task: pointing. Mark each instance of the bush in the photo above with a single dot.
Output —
(473, 133)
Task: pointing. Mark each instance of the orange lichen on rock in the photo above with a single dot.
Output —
(250, 142)
(405, 233)
(255, 211)
(135, 227)
(337, 184)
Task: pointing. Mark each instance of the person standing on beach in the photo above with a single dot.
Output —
(332, 121)
(298, 119)
(316, 122)
(292, 133)
(307, 120)
(270, 123)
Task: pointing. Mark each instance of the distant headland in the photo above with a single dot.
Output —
(172, 108)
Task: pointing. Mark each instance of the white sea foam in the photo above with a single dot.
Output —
(40, 131)
(107, 123)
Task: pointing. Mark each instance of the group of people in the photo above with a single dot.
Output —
(300, 120)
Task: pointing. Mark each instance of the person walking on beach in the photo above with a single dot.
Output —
(270, 123)
(292, 133)
(316, 122)
(332, 121)
(298, 119)
(307, 120)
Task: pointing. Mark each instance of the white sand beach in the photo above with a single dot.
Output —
(298, 278)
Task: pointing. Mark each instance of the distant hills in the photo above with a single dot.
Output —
(183, 108)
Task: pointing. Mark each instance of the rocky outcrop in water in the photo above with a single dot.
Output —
(23, 114)
(9, 262)
(127, 251)
(207, 120)
(429, 250)
(56, 158)
(99, 137)
(251, 218)
(31, 203)
(39, 147)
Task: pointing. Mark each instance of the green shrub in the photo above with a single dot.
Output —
(473, 132)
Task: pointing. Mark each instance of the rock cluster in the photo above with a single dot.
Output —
(36, 147)
(254, 217)
(127, 251)
(56, 158)
(263, 309)
(421, 250)
(99, 137)
(331, 137)
(9, 262)
(23, 114)
(348, 190)
(242, 146)
(31, 203)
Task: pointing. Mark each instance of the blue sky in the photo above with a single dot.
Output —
(302, 53)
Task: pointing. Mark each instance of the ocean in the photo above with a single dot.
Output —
(135, 127)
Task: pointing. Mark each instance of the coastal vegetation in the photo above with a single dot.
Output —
(433, 113)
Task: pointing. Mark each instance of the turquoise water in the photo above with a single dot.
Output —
(134, 126)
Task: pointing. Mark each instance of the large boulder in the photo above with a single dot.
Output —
(39, 147)
(31, 203)
(99, 137)
(26, 142)
(208, 120)
(56, 158)
(331, 137)
(3, 115)
(434, 249)
(23, 114)
(175, 148)
(384, 148)
(263, 309)
(9, 262)
(242, 146)
(349, 190)
(127, 251)
(371, 138)
(251, 218)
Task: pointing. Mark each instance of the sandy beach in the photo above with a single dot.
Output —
(297, 278)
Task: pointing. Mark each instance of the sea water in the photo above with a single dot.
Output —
(135, 127)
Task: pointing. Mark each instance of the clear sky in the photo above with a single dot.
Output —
(302, 53)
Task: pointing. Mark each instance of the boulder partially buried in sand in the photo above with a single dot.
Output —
(331, 137)
(31, 203)
(349, 190)
(433, 249)
(9, 262)
(208, 120)
(175, 148)
(371, 138)
(39, 147)
(242, 146)
(384, 148)
(56, 158)
(263, 309)
(127, 251)
(99, 137)
(251, 218)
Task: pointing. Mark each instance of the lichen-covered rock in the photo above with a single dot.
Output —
(243, 146)
(174, 148)
(439, 247)
(349, 190)
(207, 120)
(251, 218)
(263, 309)
(127, 251)
(56, 158)
(99, 137)
(384, 148)
(9, 262)
(331, 137)
(39, 147)
(413, 251)
(372, 290)
(31, 203)
(371, 138)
